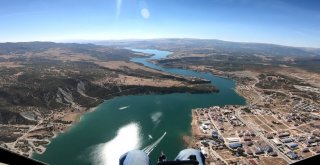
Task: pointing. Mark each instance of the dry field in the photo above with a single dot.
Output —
(225, 154)
(186, 54)
(256, 121)
(279, 126)
(130, 80)
(272, 161)
(266, 124)
(62, 55)
(304, 154)
(121, 65)
(10, 65)
(4, 56)
(309, 77)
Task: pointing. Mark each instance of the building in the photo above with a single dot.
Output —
(207, 122)
(292, 155)
(286, 140)
(258, 151)
(266, 148)
(247, 134)
(252, 133)
(221, 138)
(276, 142)
(221, 128)
(292, 145)
(233, 117)
(305, 150)
(247, 138)
(310, 141)
(273, 154)
(284, 134)
(233, 140)
(269, 136)
(215, 134)
(204, 126)
(235, 145)
(301, 138)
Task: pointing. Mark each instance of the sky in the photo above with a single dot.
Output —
(285, 22)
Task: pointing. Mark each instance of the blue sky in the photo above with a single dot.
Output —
(286, 22)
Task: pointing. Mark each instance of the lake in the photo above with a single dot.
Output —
(153, 123)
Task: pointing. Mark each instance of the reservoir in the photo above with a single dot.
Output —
(153, 123)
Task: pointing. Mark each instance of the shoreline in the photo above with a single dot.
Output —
(63, 121)
(66, 120)
(195, 131)
(75, 120)
(69, 119)
(263, 114)
(190, 140)
(36, 139)
(237, 90)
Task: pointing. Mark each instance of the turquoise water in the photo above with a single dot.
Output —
(152, 122)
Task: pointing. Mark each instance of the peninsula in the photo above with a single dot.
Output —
(280, 122)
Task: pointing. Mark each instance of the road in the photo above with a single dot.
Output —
(282, 155)
(26, 134)
(217, 128)
(214, 153)
(219, 132)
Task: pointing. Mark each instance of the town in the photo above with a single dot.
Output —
(234, 134)
(275, 127)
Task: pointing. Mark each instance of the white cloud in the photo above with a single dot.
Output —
(145, 13)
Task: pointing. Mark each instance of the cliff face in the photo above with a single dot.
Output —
(41, 95)
(8, 117)
(54, 94)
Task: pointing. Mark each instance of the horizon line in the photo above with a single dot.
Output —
(91, 41)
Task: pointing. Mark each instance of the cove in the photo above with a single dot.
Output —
(154, 123)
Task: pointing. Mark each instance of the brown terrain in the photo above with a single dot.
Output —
(278, 125)
(46, 87)
(275, 97)
(282, 108)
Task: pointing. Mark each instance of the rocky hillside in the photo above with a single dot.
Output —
(45, 86)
